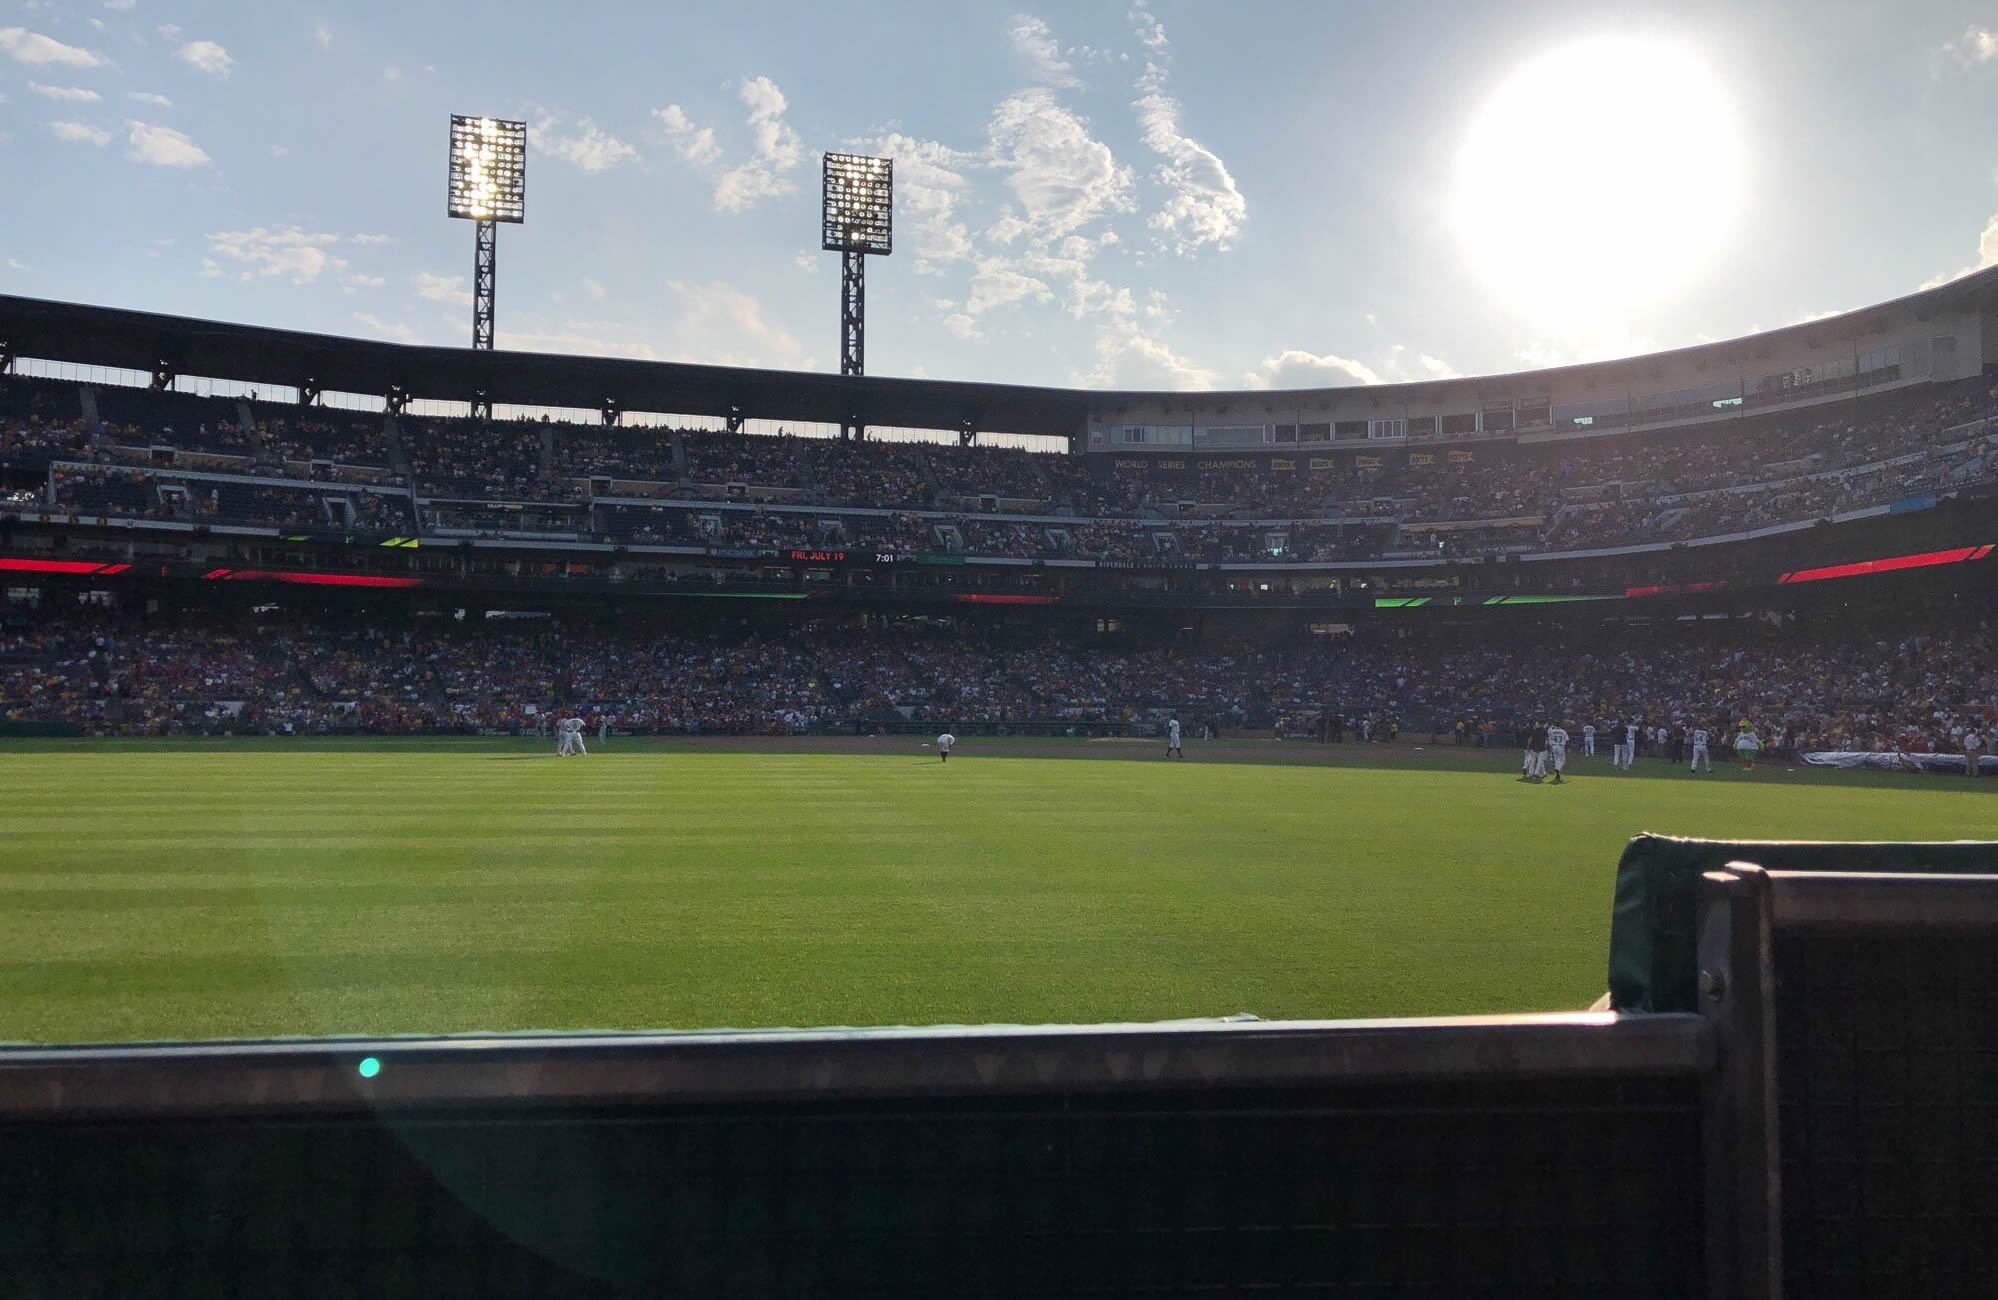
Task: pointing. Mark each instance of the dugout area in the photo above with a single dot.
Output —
(1821, 1121)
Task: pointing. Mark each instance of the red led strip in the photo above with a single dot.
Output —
(1674, 589)
(983, 598)
(60, 566)
(1927, 559)
(309, 579)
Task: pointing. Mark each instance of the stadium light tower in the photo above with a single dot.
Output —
(859, 219)
(488, 185)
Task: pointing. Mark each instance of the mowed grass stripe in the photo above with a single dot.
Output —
(250, 891)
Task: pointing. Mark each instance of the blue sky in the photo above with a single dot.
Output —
(1171, 194)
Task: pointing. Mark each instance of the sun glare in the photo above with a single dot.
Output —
(1597, 180)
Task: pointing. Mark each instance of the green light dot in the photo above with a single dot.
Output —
(370, 1067)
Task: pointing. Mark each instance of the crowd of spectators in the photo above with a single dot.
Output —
(459, 457)
(1625, 489)
(124, 493)
(1822, 688)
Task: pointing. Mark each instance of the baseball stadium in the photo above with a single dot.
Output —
(531, 821)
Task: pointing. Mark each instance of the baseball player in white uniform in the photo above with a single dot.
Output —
(1557, 749)
(1172, 740)
(1700, 751)
(944, 742)
(1589, 739)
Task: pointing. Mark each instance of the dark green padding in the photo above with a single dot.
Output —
(1653, 924)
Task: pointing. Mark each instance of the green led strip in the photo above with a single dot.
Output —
(1542, 600)
(1399, 602)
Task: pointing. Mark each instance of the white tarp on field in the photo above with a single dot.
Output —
(1898, 762)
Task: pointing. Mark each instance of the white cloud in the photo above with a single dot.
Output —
(1036, 46)
(1295, 368)
(24, 46)
(695, 144)
(80, 133)
(322, 34)
(1401, 366)
(588, 146)
(1063, 177)
(206, 56)
(148, 97)
(279, 151)
(1151, 32)
(162, 146)
(998, 282)
(1987, 255)
(120, 4)
(169, 30)
(596, 291)
(722, 325)
(776, 149)
(16, 265)
(1205, 206)
(369, 241)
(577, 338)
(296, 254)
(443, 288)
(391, 73)
(66, 94)
(394, 333)
(353, 280)
(1127, 356)
(209, 270)
(930, 186)
(806, 260)
(1976, 45)
(959, 325)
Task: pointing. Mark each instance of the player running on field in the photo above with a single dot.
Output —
(1172, 740)
(1557, 749)
(1700, 751)
(944, 742)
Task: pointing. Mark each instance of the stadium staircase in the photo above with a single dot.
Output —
(398, 462)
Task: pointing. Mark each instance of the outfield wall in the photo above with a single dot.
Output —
(1819, 1127)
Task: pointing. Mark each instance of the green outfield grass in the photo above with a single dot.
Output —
(234, 889)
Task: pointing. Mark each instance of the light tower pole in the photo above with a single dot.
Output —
(488, 185)
(858, 220)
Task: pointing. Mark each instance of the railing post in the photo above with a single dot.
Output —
(1744, 1173)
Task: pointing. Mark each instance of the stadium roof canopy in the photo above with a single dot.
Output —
(143, 341)
(129, 340)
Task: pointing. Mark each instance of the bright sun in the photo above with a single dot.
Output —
(1597, 179)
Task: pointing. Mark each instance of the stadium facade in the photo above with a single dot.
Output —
(143, 460)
